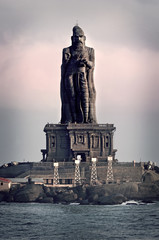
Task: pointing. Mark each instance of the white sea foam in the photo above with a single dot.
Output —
(133, 202)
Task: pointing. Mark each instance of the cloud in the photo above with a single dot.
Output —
(129, 23)
(30, 77)
(124, 35)
(127, 79)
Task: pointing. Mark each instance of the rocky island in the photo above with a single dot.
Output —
(108, 194)
(79, 163)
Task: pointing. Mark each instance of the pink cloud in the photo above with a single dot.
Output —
(30, 76)
(126, 77)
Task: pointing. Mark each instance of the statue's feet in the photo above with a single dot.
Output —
(86, 120)
(68, 122)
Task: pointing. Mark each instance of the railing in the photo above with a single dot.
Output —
(83, 125)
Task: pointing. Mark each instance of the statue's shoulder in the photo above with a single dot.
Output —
(67, 50)
(90, 50)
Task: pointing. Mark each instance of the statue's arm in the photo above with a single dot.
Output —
(65, 112)
(65, 59)
(90, 73)
(63, 70)
(90, 61)
(66, 55)
(92, 57)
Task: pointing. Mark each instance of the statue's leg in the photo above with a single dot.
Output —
(84, 96)
(71, 95)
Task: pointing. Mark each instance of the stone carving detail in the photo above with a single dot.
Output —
(68, 141)
(53, 141)
(63, 142)
(95, 141)
(77, 84)
(80, 138)
(107, 141)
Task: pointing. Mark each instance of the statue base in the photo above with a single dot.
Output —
(65, 141)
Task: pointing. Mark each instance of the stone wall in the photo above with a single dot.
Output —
(16, 170)
(65, 141)
(123, 172)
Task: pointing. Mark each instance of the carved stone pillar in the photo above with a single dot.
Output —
(102, 144)
(49, 146)
(71, 139)
(111, 143)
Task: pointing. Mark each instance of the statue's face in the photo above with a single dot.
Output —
(78, 39)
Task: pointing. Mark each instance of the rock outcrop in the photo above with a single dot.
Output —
(29, 193)
(146, 191)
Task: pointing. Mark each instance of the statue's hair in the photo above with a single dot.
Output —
(77, 29)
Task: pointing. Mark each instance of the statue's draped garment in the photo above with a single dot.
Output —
(77, 86)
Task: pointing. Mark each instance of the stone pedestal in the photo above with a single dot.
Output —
(65, 141)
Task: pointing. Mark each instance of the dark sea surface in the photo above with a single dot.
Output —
(23, 221)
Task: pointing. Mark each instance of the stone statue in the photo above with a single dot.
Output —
(77, 84)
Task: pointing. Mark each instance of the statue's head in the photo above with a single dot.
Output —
(78, 38)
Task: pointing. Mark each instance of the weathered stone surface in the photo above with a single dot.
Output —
(81, 192)
(104, 194)
(77, 85)
(129, 190)
(13, 171)
(148, 191)
(46, 200)
(2, 196)
(49, 192)
(28, 193)
(65, 141)
(150, 176)
(108, 194)
(95, 192)
(84, 202)
(112, 199)
(116, 193)
(66, 196)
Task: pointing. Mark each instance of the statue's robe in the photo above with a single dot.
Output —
(66, 115)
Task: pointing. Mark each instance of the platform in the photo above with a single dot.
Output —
(65, 141)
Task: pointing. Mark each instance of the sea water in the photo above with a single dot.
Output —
(23, 221)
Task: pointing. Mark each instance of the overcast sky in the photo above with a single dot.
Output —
(125, 36)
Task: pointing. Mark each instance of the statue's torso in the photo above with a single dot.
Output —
(75, 65)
